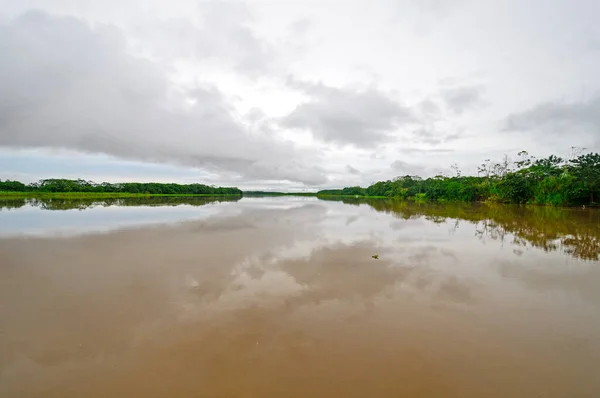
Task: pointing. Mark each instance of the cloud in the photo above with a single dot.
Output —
(35, 164)
(425, 16)
(203, 84)
(406, 168)
(461, 99)
(68, 85)
(557, 114)
(412, 150)
(430, 109)
(364, 118)
(300, 27)
(431, 136)
(402, 167)
(439, 8)
(352, 170)
(220, 31)
(579, 119)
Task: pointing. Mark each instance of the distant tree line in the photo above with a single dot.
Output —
(64, 185)
(549, 181)
(273, 193)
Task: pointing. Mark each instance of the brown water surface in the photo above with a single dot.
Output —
(281, 297)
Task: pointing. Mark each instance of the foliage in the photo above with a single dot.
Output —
(349, 191)
(549, 181)
(83, 186)
(586, 168)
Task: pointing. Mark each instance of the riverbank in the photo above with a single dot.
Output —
(99, 195)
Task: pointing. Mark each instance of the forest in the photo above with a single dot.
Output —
(83, 186)
(548, 181)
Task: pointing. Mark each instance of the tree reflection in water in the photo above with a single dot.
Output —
(83, 204)
(575, 231)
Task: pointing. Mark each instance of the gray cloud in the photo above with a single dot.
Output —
(65, 84)
(405, 168)
(301, 26)
(430, 109)
(352, 170)
(431, 136)
(222, 34)
(346, 116)
(139, 89)
(580, 120)
(460, 99)
(424, 15)
(422, 151)
(402, 168)
(557, 114)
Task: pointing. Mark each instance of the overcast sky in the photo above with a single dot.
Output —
(291, 94)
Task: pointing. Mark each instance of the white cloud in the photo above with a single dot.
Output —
(364, 118)
(205, 84)
(72, 86)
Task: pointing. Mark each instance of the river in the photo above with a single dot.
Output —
(297, 297)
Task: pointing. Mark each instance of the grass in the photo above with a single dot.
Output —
(95, 195)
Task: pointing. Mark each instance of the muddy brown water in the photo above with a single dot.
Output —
(281, 297)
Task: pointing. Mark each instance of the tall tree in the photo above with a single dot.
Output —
(587, 169)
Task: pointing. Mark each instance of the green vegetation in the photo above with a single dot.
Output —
(550, 181)
(87, 189)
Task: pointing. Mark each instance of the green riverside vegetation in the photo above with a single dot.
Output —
(549, 181)
(81, 188)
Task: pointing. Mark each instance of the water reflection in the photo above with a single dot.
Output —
(87, 203)
(574, 231)
(70, 217)
(282, 297)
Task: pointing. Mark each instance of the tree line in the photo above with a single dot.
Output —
(548, 181)
(55, 185)
(275, 193)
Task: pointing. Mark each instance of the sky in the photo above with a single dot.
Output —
(291, 95)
